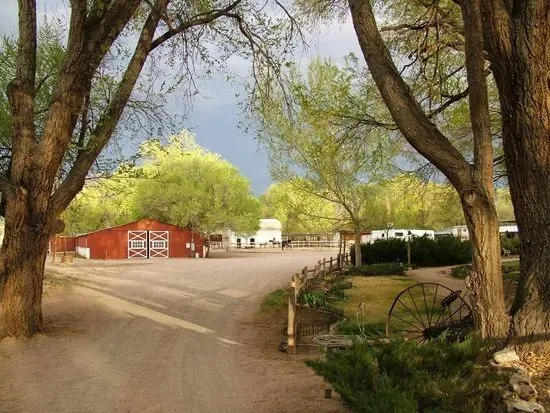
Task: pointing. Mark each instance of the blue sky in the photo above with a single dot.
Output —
(214, 115)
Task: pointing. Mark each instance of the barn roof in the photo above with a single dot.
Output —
(130, 223)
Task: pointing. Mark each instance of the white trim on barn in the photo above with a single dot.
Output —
(158, 244)
(137, 244)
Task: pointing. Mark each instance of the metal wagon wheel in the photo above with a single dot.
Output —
(429, 310)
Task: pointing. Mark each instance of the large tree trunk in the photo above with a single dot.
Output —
(473, 182)
(527, 149)
(24, 255)
(517, 45)
(485, 281)
(357, 244)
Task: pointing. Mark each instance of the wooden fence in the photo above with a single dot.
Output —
(304, 280)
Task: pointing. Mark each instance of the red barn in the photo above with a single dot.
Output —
(146, 238)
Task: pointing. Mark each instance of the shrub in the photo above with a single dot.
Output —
(510, 271)
(337, 289)
(405, 377)
(462, 271)
(510, 243)
(315, 299)
(424, 251)
(388, 268)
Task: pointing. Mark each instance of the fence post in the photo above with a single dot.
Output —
(324, 266)
(292, 300)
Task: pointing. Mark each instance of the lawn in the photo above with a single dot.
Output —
(375, 296)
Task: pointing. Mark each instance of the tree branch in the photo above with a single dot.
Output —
(421, 133)
(21, 92)
(106, 125)
(479, 101)
(449, 102)
(197, 20)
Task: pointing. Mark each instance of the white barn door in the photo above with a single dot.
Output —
(137, 244)
(158, 244)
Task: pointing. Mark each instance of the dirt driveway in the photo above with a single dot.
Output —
(160, 336)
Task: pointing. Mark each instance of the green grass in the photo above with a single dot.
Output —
(274, 300)
(375, 296)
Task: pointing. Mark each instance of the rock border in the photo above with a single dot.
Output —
(520, 396)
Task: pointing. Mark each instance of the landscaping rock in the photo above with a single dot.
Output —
(516, 406)
(505, 356)
(527, 392)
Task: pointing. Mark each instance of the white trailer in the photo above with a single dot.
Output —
(400, 233)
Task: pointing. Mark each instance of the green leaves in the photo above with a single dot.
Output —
(179, 183)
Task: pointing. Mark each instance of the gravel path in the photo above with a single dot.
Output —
(160, 336)
(441, 275)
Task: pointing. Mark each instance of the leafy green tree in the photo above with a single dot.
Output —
(186, 185)
(299, 212)
(306, 139)
(102, 203)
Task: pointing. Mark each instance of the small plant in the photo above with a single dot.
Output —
(337, 289)
(315, 299)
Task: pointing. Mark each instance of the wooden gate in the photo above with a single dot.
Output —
(137, 244)
(158, 244)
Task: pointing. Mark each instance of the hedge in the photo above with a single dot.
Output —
(388, 268)
(425, 252)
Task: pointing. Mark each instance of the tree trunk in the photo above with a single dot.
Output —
(24, 255)
(527, 149)
(485, 281)
(357, 244)
(520, 60)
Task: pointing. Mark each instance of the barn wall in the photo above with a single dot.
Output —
(63, 243)
(112, 243)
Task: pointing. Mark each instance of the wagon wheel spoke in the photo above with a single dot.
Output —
(410, 311)
(417, 310)
(405, 321)
(425, 304)
(433, 304)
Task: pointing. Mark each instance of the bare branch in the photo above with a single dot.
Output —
(197, 20)
(413, 122)
(105, 128)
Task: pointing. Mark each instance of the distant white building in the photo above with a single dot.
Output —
(398, 233)
(269, 234)
(461, 231)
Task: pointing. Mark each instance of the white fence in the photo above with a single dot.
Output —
(276, 245)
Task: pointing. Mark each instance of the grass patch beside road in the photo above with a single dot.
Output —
(377, 294)
(274, 300)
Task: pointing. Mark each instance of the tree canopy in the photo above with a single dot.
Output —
(179, 183)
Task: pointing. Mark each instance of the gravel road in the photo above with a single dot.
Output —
(160, 336)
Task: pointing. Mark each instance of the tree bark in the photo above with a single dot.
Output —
(357, 244)
(23, 256)
(517, 44)
(485, 281)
